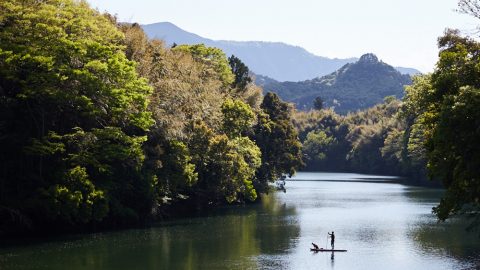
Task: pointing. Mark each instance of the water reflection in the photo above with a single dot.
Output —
(379, 222)
(383, 225)
(448, 238)
(230, 238)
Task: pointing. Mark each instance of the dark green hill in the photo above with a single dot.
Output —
(354, 86)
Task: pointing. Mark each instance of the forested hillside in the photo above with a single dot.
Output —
(358, 85)
(101, 127)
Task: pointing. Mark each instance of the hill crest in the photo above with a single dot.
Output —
(354, 86)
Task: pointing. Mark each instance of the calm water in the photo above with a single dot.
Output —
(383, 225)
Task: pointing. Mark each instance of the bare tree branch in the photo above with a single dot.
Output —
(470, 7)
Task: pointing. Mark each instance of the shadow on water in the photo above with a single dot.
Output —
(448, 239)
(230, 237)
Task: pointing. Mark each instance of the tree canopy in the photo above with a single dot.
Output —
(102, 127)
(72, 106)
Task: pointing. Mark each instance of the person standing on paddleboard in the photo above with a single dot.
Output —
(332, 237)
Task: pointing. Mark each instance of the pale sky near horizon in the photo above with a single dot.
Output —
(400, 32)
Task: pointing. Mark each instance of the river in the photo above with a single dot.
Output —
(382, 224)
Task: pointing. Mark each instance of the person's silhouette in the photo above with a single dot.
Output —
(332, 241)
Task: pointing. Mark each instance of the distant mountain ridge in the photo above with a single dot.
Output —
(276, 60)
(354, 86)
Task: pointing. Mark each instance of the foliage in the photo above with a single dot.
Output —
(74, 113)
(318, 103)
(213, 58)
(176, 174)
(232, 165)
(186, 89)
(317, 144)
(238, 117)
(193, 108)
(278, 140)
(241, 72)
(452, 142)
(100, 126)
(369, 141)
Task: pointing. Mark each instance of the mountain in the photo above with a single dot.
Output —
(277, 60)
(354, 86)
(171, 33)
(409, 71)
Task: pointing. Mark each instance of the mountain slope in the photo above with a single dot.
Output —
(277, 60)
(171, 33)
(354, 86)
(409, 71)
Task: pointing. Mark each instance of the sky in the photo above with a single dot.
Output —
(400, 32)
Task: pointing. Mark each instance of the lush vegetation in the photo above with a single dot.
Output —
(377, 140)
(101, 127)
(354, 86)
(447, 109)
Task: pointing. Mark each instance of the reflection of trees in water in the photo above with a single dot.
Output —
(278, 227)
(233, 237)
(449, 238)
(424, 195)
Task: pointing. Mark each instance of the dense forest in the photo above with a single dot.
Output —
(102, 127)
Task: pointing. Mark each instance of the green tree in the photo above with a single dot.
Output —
(238, 118)
(452, 145)
(447, 105)
(413, 112)
(318, 103)
(316, 145)
(278, 140)
(76, 200)
(232, 167)
(392, 150)
(241, 72)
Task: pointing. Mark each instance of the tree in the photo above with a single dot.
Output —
(413, 113)
(232, 165)
(316, 146)
(449, 115)
(238, 118)
(213, 58)
(241, 72)
(471, 7)
(278, 141)
(318, 103)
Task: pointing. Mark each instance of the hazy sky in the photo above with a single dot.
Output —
(400, 32)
